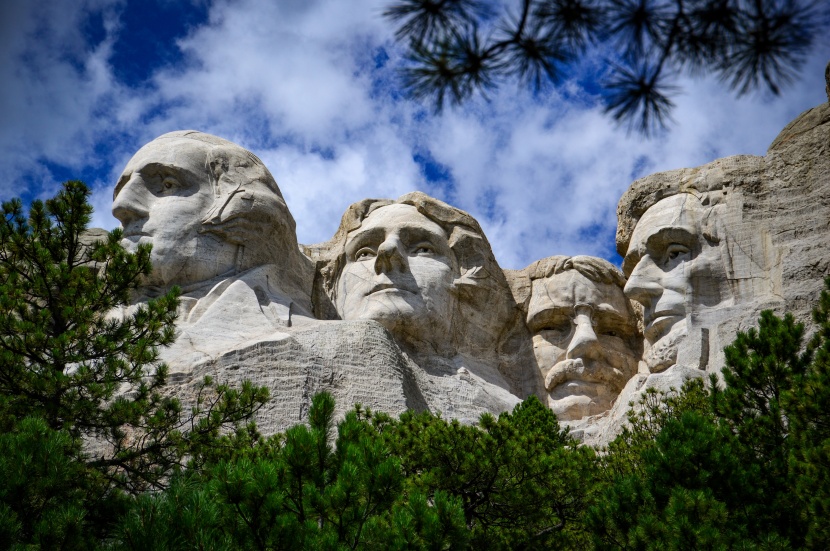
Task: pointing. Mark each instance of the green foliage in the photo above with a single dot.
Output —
(744, 464)
(521, 481)
(80, 375)
(419, 482)
(184, 516)
(646, 421)
(456, 48)
(47, 497)
(808, 406)
(762, 368)
(675, 480)
(299, 492)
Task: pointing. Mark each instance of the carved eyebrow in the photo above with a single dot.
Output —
(150, 169)
(673, 234)
(657, 241)
(416, 233)
(614, 318)
(363, 237)
(550, 314)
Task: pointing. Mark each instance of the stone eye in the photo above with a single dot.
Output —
(422, 249)
(554, 330)
(169, 183)
(364, 254)
(675, 250)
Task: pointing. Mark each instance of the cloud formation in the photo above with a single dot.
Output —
(310, 87)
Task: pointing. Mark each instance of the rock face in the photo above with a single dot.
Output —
(585, 333)
(706, 249)
(407, 308)
(426, 272)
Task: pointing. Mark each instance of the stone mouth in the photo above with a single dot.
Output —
(572, 373)
(132, 233)
(577, 387)
(382, 288)
(661, 324)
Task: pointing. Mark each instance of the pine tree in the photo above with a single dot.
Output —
(47, 497)
(522, 481)
(298, 491)
(762, 367)
(808, 407)
(456, 48)
(675, 479)
(75, 377)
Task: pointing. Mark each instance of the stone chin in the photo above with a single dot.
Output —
(131, 239)
(662, 326)
(564, 371)
(576, 392)
(389, 307)
(574, 400)
(131, 244)
(662, 354)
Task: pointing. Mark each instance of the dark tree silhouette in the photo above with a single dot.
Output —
(456, 48)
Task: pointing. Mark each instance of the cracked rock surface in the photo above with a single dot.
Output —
(407, 308)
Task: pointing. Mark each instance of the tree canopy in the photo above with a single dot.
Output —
(741, 461)
(83, 421)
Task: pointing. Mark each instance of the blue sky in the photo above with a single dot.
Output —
(310, 87)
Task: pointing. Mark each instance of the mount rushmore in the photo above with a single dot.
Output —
(406, 307)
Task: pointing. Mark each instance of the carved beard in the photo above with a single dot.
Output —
(663, 354)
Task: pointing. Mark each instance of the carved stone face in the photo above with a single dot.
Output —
(673, 268)
(582, 331)
(161, 198)
(399, 271)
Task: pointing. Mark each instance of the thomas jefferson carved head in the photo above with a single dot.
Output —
(584, 331)
(209, 208)
(425, 270)
(415, 265)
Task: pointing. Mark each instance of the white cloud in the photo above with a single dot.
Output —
(296, 82)
(55, 88)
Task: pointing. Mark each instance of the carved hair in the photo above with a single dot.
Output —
(710, 184)
(595, 269)
(476, 264)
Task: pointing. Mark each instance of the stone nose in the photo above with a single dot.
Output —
(130, 205)
(390, 256)
(584, 343)
(644, 283)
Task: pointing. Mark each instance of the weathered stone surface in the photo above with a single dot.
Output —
(407, 308)
(585, 332)
(357, 362)
(426, 272)
(706, 249)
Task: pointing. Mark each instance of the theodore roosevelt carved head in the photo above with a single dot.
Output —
(585, 336)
